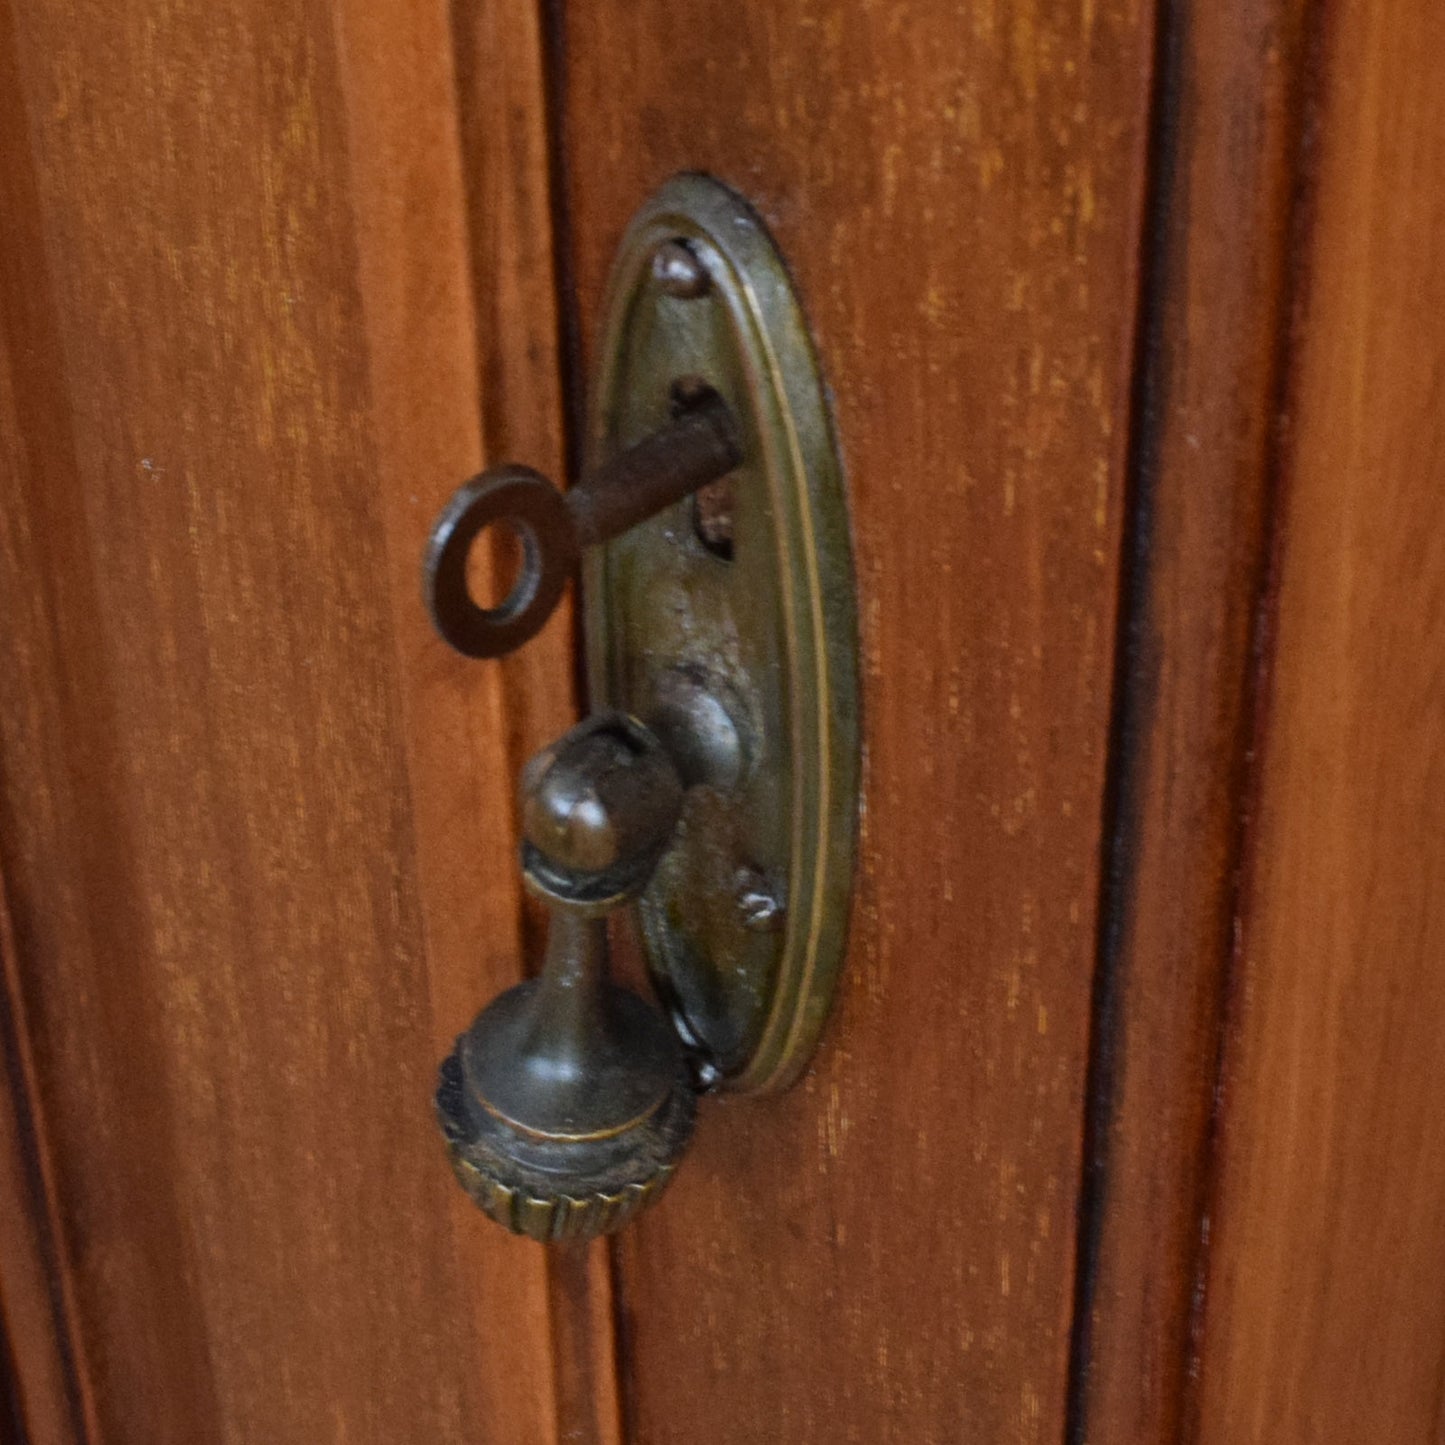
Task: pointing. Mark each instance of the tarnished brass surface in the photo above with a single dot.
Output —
(716, 787)
(566, 1105)
(568, 1102)
(742, 598)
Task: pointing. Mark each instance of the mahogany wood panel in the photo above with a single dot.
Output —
(888, 1251)
(44, 1395)
(1224, 201)
(12, 1428)
(250, 809)
(1324, 1311)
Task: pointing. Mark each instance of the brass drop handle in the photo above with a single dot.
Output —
(713, 795)
(698, 446)
(568, 1102)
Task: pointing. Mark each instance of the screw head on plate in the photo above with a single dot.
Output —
(759, 906)
(677, 269)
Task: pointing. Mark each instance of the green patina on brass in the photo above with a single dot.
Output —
(715, 787)
(752, 661)
(568, 1102)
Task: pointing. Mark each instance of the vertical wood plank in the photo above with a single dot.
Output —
(416, 254)
(1324, 1310)
(506, 116)
(12, 1430)
(243, 801)
(889, 1250)
(46, 1387)
(44, 1393)
(1219, 273)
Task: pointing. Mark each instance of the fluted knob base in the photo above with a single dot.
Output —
(552, 1188)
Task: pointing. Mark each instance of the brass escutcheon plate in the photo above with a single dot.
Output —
(728, 623)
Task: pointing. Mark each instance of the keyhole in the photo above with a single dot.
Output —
(712, 505)
(712, 517)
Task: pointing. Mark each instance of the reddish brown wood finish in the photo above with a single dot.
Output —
(888, 1251)
(248, 815)
(1324, 1314)
(1225, 206)
(266, 267)
(44, 1393)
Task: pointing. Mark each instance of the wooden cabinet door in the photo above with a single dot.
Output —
(253, 814)
(891, 1248)
(1124, 1126)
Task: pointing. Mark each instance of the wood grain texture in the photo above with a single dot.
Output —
(12, 1428)
(1217, 293)
(1324, 1314)
(45, 1394)
(506, 117)
(888, 1251)
(244, 814)
(46, 1391)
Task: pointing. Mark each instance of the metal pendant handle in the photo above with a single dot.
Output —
(716, 791)
(568, 1102)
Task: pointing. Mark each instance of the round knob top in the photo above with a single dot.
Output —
(598, 808)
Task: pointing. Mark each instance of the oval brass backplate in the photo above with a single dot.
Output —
(727, 623)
